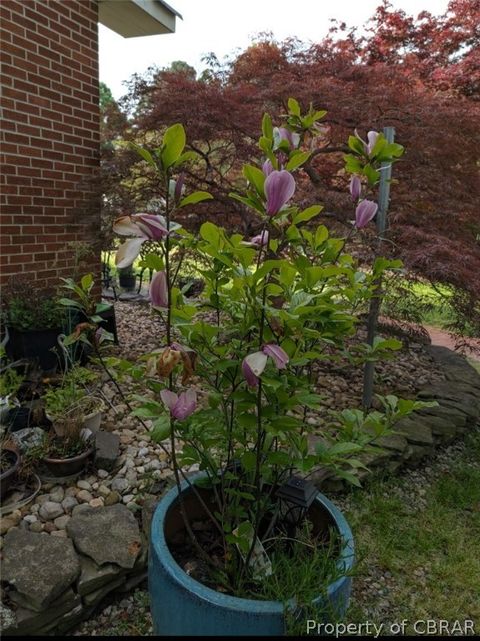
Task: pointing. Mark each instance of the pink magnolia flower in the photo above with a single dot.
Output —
(364, 213)
(180, 406)
(279, 188)
(258, 241)
(159, 290)
(254, 364)
(355, 188)
(372, 137)
(282, 133)
(279, 355)
(267, 167)
(140, 227)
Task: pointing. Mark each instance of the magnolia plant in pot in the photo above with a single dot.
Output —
(249, 542)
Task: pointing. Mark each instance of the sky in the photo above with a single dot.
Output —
(223, 26)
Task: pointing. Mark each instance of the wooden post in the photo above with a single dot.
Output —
(381, 220)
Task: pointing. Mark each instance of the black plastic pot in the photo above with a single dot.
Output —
(127, 281)
(8, 476)
(38, 345)
(17, 418)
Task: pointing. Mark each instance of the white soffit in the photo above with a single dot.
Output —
(132, 18)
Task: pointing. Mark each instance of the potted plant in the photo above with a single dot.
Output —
(127, 278)
(13, 414)
(9, 464)
(75, 400)
(277, 303)
(66, 451)
(33, 321)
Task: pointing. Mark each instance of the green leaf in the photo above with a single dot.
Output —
(267, 127)
(161, 429)
(256, 177)
(210, 233)
(68, 302)
(373, 176)
(356, 145)
(174, 141)
(307, 214)
(195, 197)
(143, 153)
(186, 157)
(102, 307)
(297, 158)
(87, 282)
(293, 107)
(353, 165)
(344, 449)
(321, 235)
(152, 261)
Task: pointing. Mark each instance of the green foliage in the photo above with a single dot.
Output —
(29, 313)
(73, 396)
(10, 383)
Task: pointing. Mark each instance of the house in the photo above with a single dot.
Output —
(50, 127)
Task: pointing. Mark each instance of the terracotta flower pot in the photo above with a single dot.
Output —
(67, 466)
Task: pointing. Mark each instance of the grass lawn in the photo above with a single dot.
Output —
(418, 543)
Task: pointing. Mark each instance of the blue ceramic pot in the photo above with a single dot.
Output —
(182, 606)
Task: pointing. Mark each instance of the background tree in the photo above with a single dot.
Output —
(420, 75)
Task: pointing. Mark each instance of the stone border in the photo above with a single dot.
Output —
(57, 582)
(418, 435)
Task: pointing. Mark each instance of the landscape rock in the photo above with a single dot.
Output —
(95, 597)
(107, 449)
(69, 502)
(40, 567)
(112, 498)
(415, 431)
(61, 521)
(93, 576)
(120, 484)
(50, 510)
(107, 535)
(29, 621)
(84, 496)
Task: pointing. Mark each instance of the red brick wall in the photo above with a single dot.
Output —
(50, 136)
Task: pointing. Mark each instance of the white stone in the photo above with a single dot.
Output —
(127, 498)
(84, 496)
(84, 485)
(61, 521)
(120, 484)
(57, 494)
(144, 451)
(102, 474)
(30, 518)
(60, 533)
(103, 491)
(78, 509)
(50, 510)
(69, 502)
